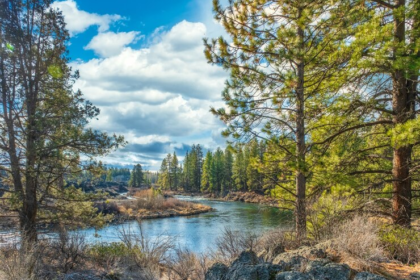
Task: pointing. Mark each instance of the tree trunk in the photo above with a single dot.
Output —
(300, 146)
(402, 110)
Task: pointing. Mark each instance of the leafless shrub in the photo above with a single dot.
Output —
(232, 243)
(274, 242)
(185, 265)
(147, 254)
(68, 251)
(359, 237)
(20, 263)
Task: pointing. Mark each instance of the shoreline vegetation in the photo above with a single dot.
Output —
(151, 204)
(247, 197)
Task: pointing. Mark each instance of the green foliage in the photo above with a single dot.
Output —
(136, 177)
(156, 192)
(402, 243)
(75, 209)
(109, 254)
(326, 213)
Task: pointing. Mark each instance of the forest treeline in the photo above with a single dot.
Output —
(135, 177)
(236, 168)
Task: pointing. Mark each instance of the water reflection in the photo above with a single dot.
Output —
(198, 233)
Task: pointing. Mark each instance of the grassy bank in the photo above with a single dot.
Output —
(248, 197)
(148, 204)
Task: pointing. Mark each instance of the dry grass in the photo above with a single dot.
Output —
(359, 237)
(135, 256)
(20, 264)
(187, 265)
(230, 244)
(149, 205)
(149, 201)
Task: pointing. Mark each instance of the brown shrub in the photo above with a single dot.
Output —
(183, 266)
(359, 237)
(231, 244)
(145, 199)
(276, 241)
(20, 263)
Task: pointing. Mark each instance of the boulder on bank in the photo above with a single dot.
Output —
(368, 276)
(303, 264)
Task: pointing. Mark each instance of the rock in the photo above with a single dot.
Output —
(269, 254)
(292, 275)
(81, 276)
(297, 256)
(415, 276)
(317, 263)
(251, 272)
(245, 267)
(277, 250)
(217, 272)
(331, 271)
(246, 258)
(368, 276)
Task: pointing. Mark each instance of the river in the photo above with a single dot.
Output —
(198, 233)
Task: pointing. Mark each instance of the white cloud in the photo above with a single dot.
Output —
(174, 65)
(155, 94)
(78, 21)
(109, 43)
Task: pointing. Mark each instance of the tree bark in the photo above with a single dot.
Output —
(300, 144)
(402, 112)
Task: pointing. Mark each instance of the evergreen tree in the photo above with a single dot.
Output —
(163, 179)
(217, 171)
(239, 169)
(275, 88)
(228, 170)
(44, 121)
(136, 178)
(206, 176)
(174, 172)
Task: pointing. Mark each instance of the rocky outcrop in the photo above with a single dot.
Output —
(79, 276)
(415, 276)
(368, 276)
(303, 264)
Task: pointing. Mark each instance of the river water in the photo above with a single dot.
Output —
(199, 233)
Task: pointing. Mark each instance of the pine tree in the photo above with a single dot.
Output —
(136, 177)
(174, 172)
(44, 121)
(206, 175)
(228, 170)
(380, 102)
(163, 180)
(275, 60)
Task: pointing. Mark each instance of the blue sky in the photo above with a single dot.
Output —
(142, 63)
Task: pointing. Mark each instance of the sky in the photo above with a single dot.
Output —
(142, 63)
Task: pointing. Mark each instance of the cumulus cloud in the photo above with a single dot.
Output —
(154, 94)
(175, 64)
(78, 21)
(109, 43)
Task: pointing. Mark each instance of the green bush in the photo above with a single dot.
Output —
(326, 214)
(401, 243)
(109, 254)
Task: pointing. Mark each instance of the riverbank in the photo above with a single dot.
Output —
(273, 255)
(248, 197)
(147, 205)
